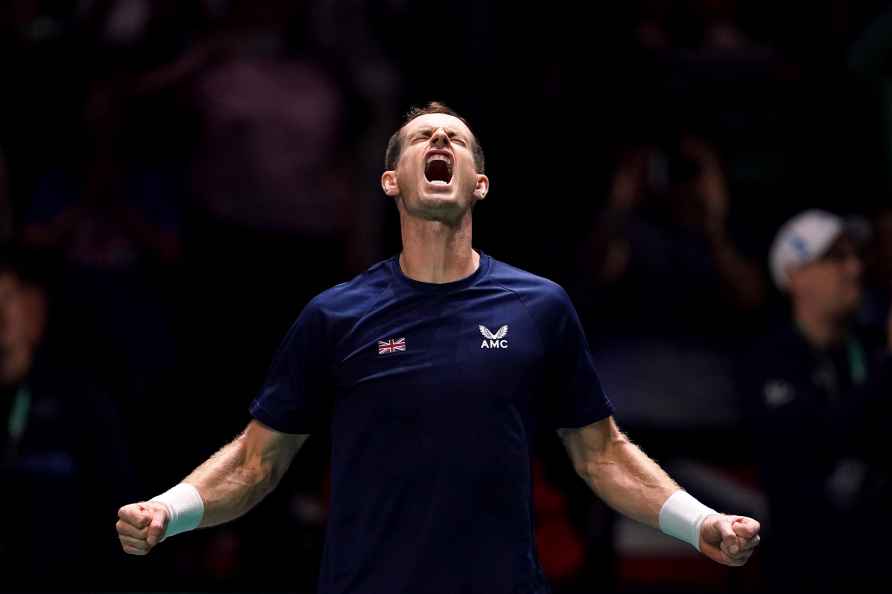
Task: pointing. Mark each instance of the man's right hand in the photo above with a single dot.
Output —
(141, 526)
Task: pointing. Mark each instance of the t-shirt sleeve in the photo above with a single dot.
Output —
(573, 393)
(296, 396)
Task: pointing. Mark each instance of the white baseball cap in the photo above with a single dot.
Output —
(803, 239)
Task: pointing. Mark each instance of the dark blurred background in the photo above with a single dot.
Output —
(178, 178)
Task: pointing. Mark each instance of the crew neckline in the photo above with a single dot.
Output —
(482, 270)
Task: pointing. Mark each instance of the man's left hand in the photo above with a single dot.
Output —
(729, 540)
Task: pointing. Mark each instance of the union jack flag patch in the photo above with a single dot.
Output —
(389, 346)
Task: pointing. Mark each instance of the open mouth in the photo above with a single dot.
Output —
(438, 169)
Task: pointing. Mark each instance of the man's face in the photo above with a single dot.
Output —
(436, 178)
(832, 283)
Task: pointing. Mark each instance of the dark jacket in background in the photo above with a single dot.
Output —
(816, 418)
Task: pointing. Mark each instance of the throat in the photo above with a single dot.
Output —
(438, 268)
(437, 252)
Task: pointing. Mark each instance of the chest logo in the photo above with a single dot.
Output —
(391, 345)
(494, 341)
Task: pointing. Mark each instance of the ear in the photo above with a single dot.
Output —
(389, 184)
(482, 188)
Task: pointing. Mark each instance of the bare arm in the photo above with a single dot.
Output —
(618, 471)
(230, 483)
(634, 485)
(243, 472)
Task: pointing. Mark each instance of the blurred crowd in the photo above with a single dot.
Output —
(178, 178)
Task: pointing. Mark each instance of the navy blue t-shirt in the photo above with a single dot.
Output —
(432, 393)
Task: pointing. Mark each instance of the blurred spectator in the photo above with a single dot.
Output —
(272, 122)
(106, 212)
(666, 225)
(663, 280)
(114, 219)
(819, 390)
(59, 438)
(110, 216)
(278, 202)
(668, 291)
(355, 34)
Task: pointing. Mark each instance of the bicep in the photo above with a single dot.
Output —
(271, 449)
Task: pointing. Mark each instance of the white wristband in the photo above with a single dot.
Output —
(681, 516)
(185, 507)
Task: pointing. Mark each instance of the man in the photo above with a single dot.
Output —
(432, 370)
(818, 402)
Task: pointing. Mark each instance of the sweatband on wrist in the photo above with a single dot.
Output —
(681, 516)
(185, 507)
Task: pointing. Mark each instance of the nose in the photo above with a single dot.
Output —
(439, 137)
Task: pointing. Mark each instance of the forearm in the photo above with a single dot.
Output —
(230, 483)
(628, 480)
(634, 485)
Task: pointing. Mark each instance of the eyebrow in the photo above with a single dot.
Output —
(450, 132)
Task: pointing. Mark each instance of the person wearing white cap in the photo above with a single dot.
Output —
(813, 260)
(817, 384)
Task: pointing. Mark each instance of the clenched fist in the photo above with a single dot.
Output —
(730, 540)
(141, 526)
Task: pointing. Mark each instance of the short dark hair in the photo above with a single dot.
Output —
(395, 144)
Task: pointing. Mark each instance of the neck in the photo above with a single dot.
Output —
(821, 330)
(437, 252)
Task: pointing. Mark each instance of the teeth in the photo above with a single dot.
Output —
(439, 158)
(446, 160)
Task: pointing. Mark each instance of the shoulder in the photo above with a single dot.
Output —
(781, 338)
(352, 298)
(537, 292)
(779, 352)
(777, 368)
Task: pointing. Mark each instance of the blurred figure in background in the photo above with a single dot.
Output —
(269, 174)
(666, 223)
(112, 217)
(663, 279)
(819, 390)
(668, 291)
(59, 436)
(271, 122)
